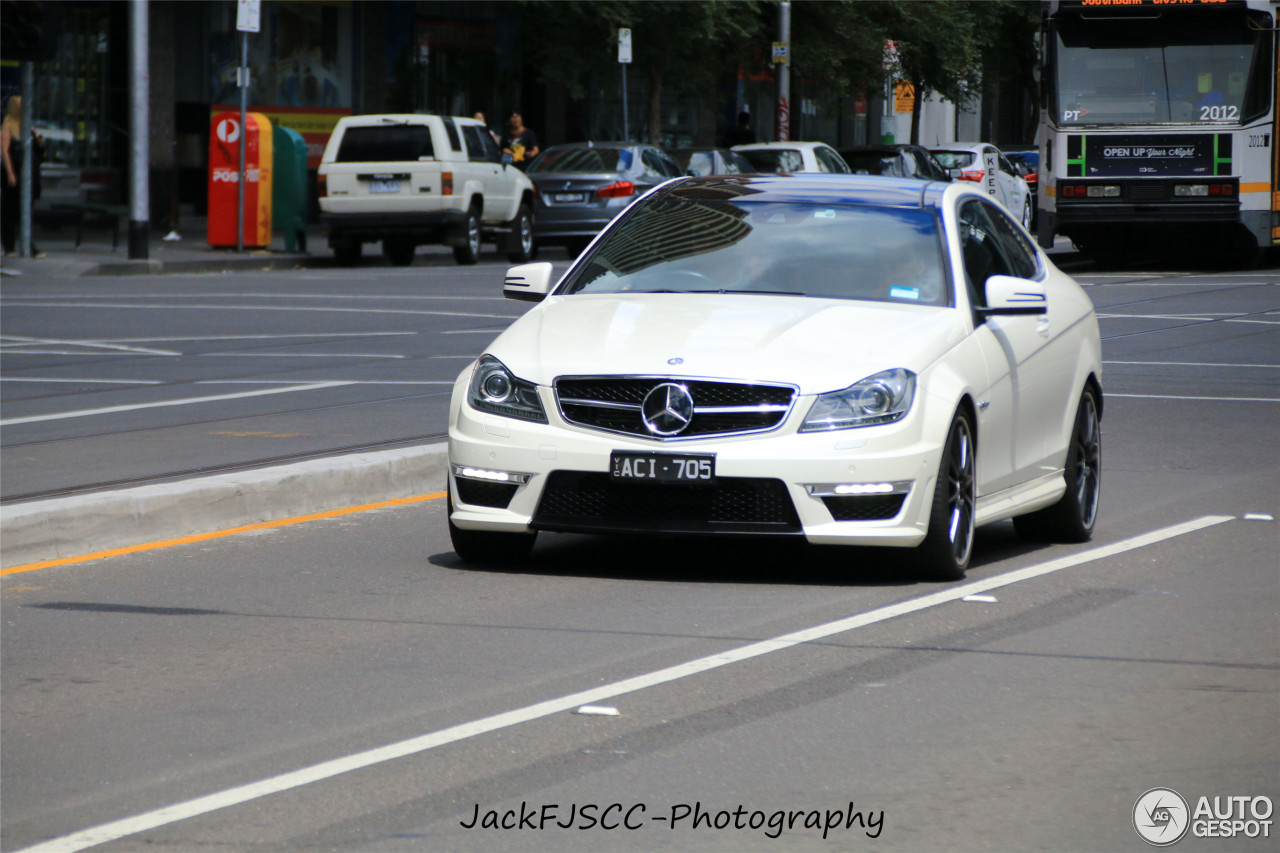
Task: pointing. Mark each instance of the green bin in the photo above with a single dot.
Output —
(289, 190)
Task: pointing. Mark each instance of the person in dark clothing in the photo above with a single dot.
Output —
(520, 142)
(742, 134)
(11, 153)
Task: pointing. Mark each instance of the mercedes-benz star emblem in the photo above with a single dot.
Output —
(667, 409)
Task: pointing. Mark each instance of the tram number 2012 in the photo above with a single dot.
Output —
(1219, 112)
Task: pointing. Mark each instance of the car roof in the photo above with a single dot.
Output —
(753, 146)
(605, 144)
(810, 188)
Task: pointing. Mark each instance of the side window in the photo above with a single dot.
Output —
(1022, 258)
(475, 143)
(452, 130)
(653, 164)
(1007, 166)
(979, 249)
(829, 161)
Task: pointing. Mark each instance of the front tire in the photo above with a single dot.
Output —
(1073, 517)
(944, 553)
(469, 251)
(521, 248)
(485, 546)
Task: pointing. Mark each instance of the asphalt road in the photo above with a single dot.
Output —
(349, 685)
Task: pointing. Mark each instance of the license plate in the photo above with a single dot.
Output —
(568, 198)
(686, 468)
(384, 186)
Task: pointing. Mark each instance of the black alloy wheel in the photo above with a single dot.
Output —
(944, 554)
(1072, 518)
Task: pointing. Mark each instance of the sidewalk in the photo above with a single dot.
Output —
(69, 527)
(190, 253)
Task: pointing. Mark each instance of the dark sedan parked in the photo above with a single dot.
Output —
(581, 186)
(898, 161)
(712, 161)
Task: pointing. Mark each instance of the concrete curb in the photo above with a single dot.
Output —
(86, 524)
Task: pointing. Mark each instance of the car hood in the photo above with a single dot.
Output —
(819, 345)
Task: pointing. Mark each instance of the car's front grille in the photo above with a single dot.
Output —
(615, 404)
(585, 501)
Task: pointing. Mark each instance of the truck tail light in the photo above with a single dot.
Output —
(618, 189)
(322, 185)
(446, 183)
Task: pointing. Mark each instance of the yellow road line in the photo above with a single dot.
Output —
(217, 534)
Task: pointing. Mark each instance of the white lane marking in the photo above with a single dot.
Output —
(1110, 395)
(294, 308)
(82, 381)
(335, 381)
(185, 401)
(17, 341)
(1195, 364)
(255, 337)
(1197, 317)
(165, 815)
(299, 355)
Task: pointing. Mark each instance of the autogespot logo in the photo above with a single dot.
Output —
(1161, 817)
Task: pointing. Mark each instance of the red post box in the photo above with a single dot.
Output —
(224, 177)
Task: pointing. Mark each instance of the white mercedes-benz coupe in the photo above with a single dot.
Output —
(856, 360)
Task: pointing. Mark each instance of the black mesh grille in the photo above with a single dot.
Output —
(864, 507)
(577, 396)
(1141, 191)
(575, 500)
(485, 493)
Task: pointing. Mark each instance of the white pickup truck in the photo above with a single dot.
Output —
(409, 180)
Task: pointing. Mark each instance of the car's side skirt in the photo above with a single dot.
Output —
(1023, 498)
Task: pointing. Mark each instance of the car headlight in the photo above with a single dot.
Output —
(878, 399)
(494, 389)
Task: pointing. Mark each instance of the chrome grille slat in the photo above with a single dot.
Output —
(721, 407)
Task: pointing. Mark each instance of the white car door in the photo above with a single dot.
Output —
(1025, 400)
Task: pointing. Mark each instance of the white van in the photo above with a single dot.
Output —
(408, 180)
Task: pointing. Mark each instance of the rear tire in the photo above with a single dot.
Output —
(347, 253)
(944, 553)
(1073, 517)
(469, 252)
(485, 546)
(399, 252)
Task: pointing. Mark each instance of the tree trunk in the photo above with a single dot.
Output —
(655, 106)
(917, 102)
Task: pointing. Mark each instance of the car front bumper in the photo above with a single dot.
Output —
(869, 486)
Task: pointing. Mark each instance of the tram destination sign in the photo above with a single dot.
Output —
(1146, 4)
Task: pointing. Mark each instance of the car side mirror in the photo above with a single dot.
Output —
(1013, 297)
(528, 282)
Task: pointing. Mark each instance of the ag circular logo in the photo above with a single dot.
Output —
(667, 409)
(1161, 816)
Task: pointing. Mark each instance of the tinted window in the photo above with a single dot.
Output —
(476, 136)
(775, 159)
(832, 251)
(954, 159)
(829, 161)
(452, 130)
(582, 160)
(385, 143)
(978, 245)
(701, 163)
(1020, 254)
(873, 163)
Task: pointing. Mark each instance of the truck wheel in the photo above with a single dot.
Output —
(521, 248)
(347, 253)
(469, 252)
(399, 252)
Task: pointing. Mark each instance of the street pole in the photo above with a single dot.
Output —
(783, 125)
(140, 130)
(26, 177)
(243, 74)
(624, 59)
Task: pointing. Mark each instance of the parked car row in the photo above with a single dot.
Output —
(408, 180)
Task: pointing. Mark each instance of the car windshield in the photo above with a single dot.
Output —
(775, 159)
(830, 251)
(562, 160)
(954, 159)
(873, 163)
